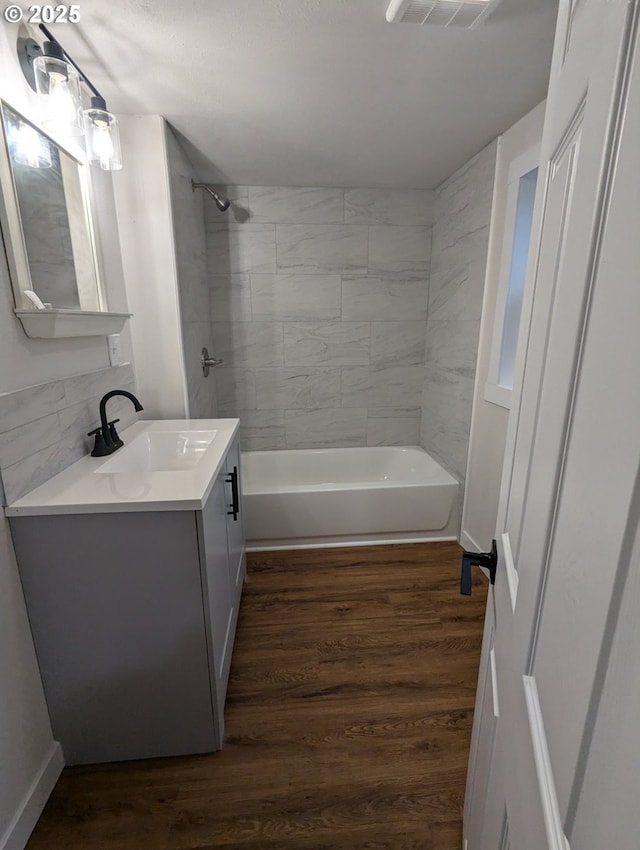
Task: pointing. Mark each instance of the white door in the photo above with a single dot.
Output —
(568, 503)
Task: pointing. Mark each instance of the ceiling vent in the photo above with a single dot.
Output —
(441, 13)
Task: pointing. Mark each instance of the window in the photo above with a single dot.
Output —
(513, 271)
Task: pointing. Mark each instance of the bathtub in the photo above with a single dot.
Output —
(337, 497)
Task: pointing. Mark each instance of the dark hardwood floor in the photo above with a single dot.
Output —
(348, 719)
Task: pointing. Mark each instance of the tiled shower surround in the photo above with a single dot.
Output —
(462, 214)
(319, 309)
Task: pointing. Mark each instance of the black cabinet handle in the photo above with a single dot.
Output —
(488, 560)
(235, 496)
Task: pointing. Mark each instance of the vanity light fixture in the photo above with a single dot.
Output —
(102, 136)
(56, 77)
(58, 87)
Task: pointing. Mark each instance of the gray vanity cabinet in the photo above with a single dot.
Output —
(133, 616)
(221, 536)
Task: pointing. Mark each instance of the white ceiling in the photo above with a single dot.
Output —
(316, 92)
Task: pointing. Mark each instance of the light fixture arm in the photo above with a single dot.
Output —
(49, 69)
(51, 37)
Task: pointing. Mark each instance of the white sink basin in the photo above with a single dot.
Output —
(160, 451)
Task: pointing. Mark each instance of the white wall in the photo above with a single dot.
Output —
(143, 204)
(30, 761)
(489, 421)
(29, 758)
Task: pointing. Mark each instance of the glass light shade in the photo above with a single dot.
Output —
(58, 87)
(102, 139)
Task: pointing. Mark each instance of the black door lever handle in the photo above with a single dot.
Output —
(488, 560)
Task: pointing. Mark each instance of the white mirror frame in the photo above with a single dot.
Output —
(52, 322)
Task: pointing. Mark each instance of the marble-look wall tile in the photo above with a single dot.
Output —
(389, 206)
(463, 202)
(19, 443)
(453, 345)
(261, 430)
(393, 431)
(397, 343)
(200, 390)
(33, 403)
(456, 285)
(399, 250)
(308, 387)
(327, 343)
(249, 343)
(203, 402)
(322, 428)
(96, 384)
(446, 417)
(458, 264)
(22, 477)
(195, 304)
(19, 408)
(287, 205)
(231, 298)
(393, 387)
(236, 388)
(352, 309)
(372, 298)
(43, 429)
(321, 248)
(296, 297)
(241, 248)
(394, 412)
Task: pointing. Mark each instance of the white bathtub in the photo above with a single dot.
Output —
(323, 497)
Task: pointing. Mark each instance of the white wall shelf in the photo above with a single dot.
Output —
(59, 323)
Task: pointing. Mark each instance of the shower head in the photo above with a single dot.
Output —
(223, 204)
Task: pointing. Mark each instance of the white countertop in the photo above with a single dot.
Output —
(79, 489)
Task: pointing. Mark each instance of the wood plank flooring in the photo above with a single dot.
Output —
(348, 719)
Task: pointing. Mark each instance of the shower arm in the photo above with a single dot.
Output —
(222, 203)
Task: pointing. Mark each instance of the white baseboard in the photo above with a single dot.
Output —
(467, 542)
(24, 820)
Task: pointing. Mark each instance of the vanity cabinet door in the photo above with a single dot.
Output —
(235, 520)
(116, 613)
(222, 563)
(216, 585)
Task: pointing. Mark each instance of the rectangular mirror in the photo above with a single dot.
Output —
(48, 234)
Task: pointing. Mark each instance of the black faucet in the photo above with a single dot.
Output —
(107, 439)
